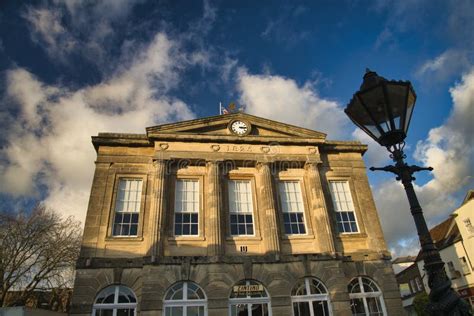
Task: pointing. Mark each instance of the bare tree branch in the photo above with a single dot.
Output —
(38, 250)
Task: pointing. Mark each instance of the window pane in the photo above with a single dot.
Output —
(195, 311)
(127, 207)
(187, 207)
(259, 309)
(125, 312)
(240, 196)
(292, 207)
(344, 207)
(374, 306)
(128, 195)
(241, 224)
(249, 229)
(320, 308)
(133, 230)
(105, 312)
(174, 311)
(357, 307)
(239, 310)
(301, 309)
(186, 229)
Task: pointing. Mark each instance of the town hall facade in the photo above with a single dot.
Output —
(232, 215)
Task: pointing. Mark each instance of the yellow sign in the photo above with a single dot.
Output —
(248, 288)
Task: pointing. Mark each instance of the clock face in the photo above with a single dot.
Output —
(239, 128)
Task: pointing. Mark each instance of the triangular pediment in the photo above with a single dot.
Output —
(219, 126)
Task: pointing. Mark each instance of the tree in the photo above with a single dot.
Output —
(420, 302)
(38, 251)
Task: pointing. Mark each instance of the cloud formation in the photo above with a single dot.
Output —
(78, 28)
(48, 142)
(447, 64)
(282, 99)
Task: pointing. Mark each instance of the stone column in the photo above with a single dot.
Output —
(213, 209)
(266, 202)
(157, 216)
(318, 208)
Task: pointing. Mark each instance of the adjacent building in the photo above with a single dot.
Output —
(409, 281)
(454, 238)
(232, 215)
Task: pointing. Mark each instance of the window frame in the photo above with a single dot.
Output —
(248, 300)
(172, 208)
(115, 305)
(306, 221)
(198, 210)
(364, 295)
(354, 205)
(113, 206)
(185, 302)
(255, 212)
(309, 298)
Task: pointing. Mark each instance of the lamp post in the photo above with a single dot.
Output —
(383, 110)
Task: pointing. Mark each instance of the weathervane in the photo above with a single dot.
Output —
(231, 108)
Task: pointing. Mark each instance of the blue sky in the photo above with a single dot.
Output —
(71, 69)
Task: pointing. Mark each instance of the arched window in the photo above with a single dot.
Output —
(310, 298)
(249, 298)
(115, 300)
(185, 299)
(366, 297)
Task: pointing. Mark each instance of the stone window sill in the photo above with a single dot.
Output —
(124, 238)
(186, 238)
(352, 235)
(243, 238)
(297, 237)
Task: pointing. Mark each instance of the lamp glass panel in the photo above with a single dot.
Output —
(397, 96)
(374, 100)
(409, 110)
(357, 112)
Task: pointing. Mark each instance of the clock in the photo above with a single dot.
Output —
(239, 127)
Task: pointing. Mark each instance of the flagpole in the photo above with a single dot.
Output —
(220, 108)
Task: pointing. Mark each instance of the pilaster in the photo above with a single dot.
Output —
(157, 216)
(318, 208)
(271, 233)
(213, 209)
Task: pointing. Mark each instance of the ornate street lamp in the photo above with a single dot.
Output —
(382, 108)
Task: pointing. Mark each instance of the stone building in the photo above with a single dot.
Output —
(232, 215)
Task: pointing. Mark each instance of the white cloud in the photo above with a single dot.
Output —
(48, 142)
(449, 150)
(48, 30)
(375, 156)
(450, 62)
(282, 99)
(65, 28)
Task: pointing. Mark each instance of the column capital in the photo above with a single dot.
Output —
(312, 164)
(259, 164)
(212, 162)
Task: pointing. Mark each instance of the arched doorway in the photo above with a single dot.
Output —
(185, 299)
(249, 298)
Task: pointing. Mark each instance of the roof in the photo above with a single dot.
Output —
(469, 196)
(444, 234)
(404, 259)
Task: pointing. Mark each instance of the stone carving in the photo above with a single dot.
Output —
(265, 149)
(215, 147)
(164, 146)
